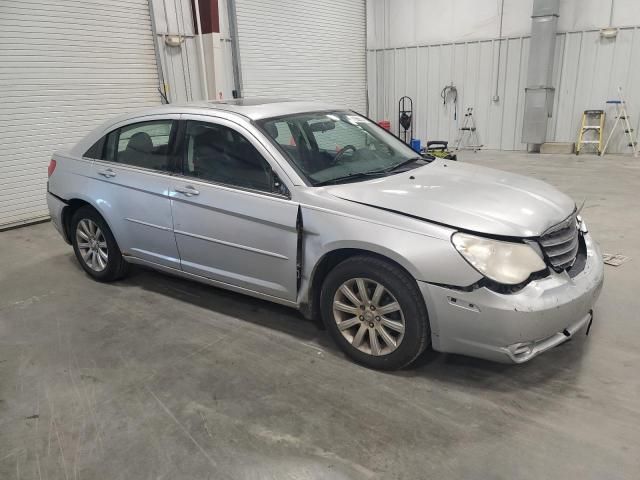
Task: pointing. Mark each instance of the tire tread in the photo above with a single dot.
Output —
(389, 269)
(120, 267)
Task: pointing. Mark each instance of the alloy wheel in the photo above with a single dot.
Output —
(368, 316)
(92, 245)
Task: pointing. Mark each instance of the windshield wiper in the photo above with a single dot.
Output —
(351, 176)
(404, 163)
(372, 173)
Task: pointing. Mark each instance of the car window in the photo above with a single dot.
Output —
(334, 136)
(339, 146)
(144, 144)
(281, 132)
(289, 137)
(96, 150)
(220, 154)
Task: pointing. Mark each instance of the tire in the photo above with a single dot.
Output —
(400, 288)
(95, 247)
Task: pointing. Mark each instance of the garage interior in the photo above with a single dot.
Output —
(159, 377)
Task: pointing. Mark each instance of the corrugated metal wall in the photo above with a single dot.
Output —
(180, 65)
(65, 67)
(303, 49)
(588, 71)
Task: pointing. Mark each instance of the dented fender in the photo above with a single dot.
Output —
(427, 256)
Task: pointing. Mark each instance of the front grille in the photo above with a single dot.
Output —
(560, 244)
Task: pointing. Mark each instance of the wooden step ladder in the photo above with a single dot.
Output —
(591, 130)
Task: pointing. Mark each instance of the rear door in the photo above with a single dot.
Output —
(233, 219)
(130, 183)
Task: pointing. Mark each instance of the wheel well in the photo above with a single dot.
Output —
(67, 213)
(325, 265)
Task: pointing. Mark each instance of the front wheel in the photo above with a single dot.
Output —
(95, 247)
(375, 312)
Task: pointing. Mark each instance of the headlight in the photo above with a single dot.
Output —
(505, 262)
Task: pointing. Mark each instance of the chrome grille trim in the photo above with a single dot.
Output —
(559, 237)
(560, 244)
(562, 248)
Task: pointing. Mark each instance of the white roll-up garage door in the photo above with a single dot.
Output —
(65, 66)
(304, 49)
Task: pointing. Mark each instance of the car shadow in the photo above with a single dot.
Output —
(243, 307)
(558, 367)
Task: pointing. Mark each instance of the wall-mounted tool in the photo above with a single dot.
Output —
(450, 94)
(405, 119)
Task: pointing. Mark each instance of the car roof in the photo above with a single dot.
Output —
(253, 108)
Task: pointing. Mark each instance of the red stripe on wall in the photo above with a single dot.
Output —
(209, 16)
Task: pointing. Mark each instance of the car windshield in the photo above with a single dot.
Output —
(339, 146)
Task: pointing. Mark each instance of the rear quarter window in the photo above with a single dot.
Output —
(96, 151)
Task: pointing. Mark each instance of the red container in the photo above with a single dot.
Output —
(386, 124)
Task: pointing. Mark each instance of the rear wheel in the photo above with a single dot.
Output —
(95, 247)
(375, 312)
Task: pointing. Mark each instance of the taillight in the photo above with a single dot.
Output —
(52, 167)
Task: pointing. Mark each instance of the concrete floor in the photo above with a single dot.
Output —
(156, 377)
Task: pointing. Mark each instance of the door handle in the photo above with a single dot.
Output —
(107, 173)
(188, 190)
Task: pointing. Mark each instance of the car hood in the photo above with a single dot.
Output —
(465, 196)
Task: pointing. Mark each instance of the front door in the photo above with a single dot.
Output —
(231, 221)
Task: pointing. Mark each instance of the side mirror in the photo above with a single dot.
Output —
(279, 187)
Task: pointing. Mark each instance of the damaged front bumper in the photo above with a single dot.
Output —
(514, 328)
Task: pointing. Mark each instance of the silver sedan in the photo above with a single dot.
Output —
(320, 209)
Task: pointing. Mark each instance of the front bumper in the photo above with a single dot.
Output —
(514, 328)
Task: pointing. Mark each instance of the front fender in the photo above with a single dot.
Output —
(368, 246)
(427, 258)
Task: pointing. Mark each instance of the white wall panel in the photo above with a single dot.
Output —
(586, 73)
(303, 49)
(430, 130)
(65, 67)
(402, 23)
(484, 76)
